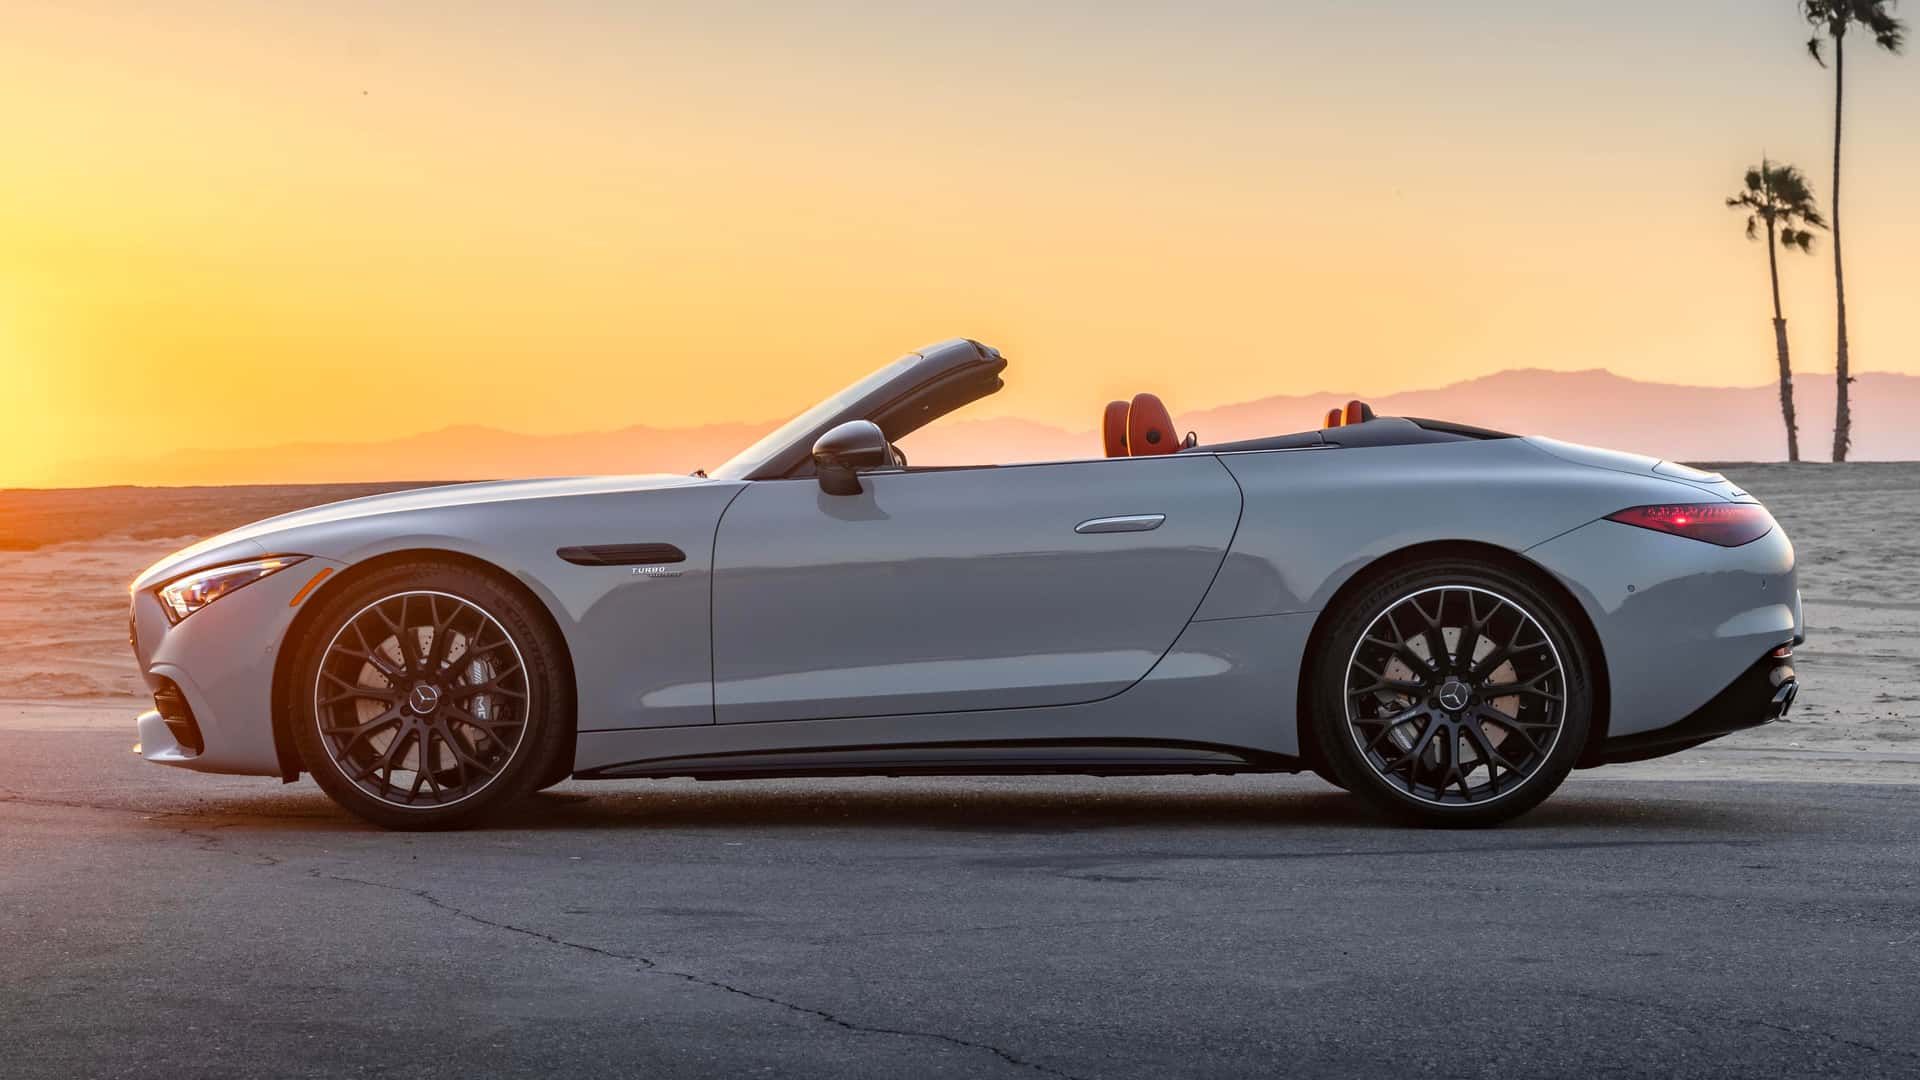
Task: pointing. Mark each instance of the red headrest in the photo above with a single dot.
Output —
(1113, 428)
(1336, 417)
(1150, 427)
(1358, 412)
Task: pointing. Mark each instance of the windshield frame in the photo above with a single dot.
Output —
(916, 389)
(741, 465)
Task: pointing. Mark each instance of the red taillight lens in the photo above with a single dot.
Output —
(1726, 524)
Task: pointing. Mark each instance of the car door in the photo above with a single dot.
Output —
(943, 590)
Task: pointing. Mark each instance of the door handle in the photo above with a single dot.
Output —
(1124, 523)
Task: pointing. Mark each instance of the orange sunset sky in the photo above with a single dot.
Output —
(244, 224)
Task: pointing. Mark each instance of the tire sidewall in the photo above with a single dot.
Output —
(1373, 598)
(549, 715)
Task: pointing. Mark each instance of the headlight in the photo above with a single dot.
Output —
(189, 594)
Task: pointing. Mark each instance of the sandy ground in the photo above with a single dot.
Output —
(66, 665)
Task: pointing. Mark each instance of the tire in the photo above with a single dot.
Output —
(1324, 772)
(1407, 698)
(560, 772)
(469, 719)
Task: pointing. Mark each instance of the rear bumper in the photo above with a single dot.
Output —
(1677, 620)
(1762, 694)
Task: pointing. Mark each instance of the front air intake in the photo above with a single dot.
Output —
(173, 708)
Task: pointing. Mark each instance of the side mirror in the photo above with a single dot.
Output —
(840, 454)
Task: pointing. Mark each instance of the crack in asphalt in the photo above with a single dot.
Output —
(651, 966)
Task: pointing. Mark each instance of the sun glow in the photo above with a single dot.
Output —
(227, 227)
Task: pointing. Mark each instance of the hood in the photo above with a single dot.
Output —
(257, 540)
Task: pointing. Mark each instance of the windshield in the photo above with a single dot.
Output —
(744, 462)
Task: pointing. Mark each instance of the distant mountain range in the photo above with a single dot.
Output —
(1686, 423)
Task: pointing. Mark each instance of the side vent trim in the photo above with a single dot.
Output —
(622, 554)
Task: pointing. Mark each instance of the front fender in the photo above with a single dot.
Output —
(641, 643)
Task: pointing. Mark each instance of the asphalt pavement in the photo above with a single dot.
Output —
(158, 923)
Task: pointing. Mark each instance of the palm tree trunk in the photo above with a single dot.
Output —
(1780, 349)
(1786, 389)
(1842, 413)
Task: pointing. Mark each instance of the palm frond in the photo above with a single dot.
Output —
(1777, 194)
(1833, 18)
(1888, 32)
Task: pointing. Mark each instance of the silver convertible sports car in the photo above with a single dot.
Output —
(1441, 619)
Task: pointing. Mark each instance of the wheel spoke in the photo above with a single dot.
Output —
(353, 734)
(494, 687)
(1488, 665)
(1434, 632)
(1382, 682)
(1459, 773)
(462, 756)
(1419, 747)
(442, 634)
(1402, 646)
(490, 726)
(406, 639)
(373, 655)
(1519, 730)
(382, 767)
(1484, 747)
(1529, 686)
(358, 690)
(1389, 724)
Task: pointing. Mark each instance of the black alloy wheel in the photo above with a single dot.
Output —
(1457, 694)
(432, 698)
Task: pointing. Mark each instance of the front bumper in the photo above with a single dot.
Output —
(212, 675)
(160, 743)
(1762, 694)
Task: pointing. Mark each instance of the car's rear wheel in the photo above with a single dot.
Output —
(1452, 692)
(429, 695)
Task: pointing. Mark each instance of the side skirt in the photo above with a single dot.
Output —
(1083, 757)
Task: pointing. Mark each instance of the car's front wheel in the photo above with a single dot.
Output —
(428, 695)
(1452, 692)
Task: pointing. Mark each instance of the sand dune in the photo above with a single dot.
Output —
(1856, 527)
(64, 619)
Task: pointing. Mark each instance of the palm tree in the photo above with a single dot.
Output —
(1778, 199)
(1831, 20)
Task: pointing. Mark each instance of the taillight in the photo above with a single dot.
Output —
(1726, 524)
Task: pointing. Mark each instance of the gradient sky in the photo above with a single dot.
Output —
(242, 224)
